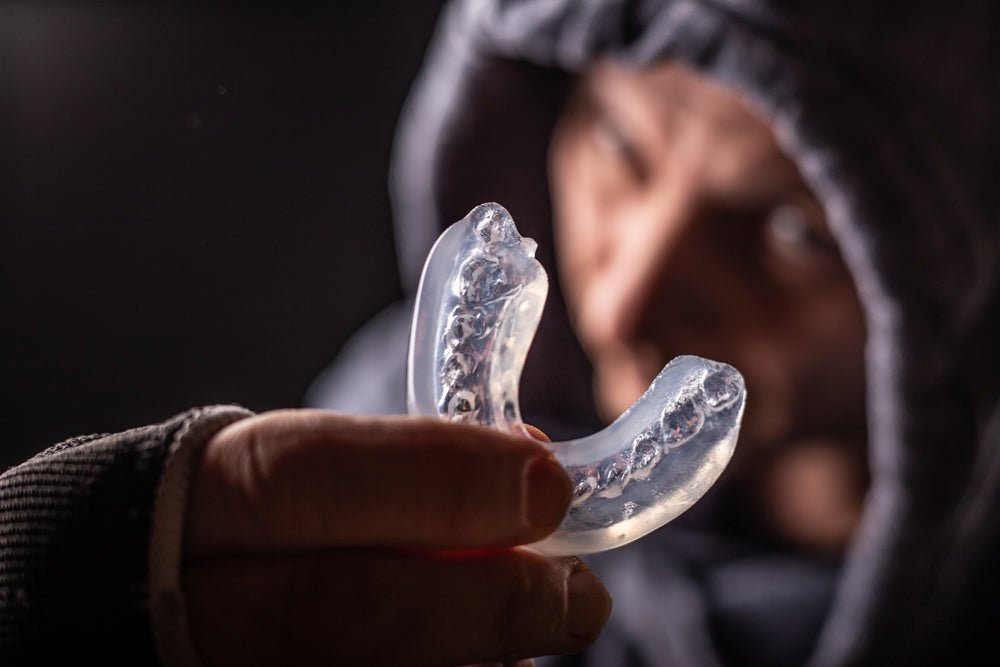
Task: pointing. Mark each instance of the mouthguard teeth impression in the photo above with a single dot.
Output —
(479, 303)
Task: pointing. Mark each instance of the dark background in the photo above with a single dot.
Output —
(193, 205)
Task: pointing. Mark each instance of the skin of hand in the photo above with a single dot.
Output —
(315, 537)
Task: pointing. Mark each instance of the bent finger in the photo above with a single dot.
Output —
(311, 479)
(377, 607)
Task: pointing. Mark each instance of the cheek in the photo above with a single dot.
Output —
(835, 378)
(820, 347)
(804, 366)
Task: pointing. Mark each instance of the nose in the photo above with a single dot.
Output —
(662, 267)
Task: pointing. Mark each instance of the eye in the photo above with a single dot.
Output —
(614, 140)
(796, 236)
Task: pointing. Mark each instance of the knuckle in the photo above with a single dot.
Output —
(268, 462)
(255, 470)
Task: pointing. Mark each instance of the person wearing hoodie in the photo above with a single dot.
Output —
(805, 191)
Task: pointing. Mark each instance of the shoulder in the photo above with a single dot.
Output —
(368, 376)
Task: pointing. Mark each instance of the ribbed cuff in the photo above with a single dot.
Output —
(168, 611)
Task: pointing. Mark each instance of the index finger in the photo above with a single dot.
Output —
(312, 479)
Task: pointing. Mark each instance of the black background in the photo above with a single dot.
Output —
(194, 203)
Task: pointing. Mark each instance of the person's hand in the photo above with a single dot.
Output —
(314, 537)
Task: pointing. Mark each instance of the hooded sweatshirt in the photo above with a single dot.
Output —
(889, 111)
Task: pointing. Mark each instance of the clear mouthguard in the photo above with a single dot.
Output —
(479, 303)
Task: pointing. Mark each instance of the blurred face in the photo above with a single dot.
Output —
(682, 228)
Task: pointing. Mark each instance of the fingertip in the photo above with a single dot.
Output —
(537, 433)
(588, 604)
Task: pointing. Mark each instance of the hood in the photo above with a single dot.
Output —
(890, 112)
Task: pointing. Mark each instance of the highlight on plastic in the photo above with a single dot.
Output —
(478, 306)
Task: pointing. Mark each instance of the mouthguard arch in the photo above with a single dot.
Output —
(478, 306)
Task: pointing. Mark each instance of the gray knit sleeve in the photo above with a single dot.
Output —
(75, 530)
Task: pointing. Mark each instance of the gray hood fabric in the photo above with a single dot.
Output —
(890, 112)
